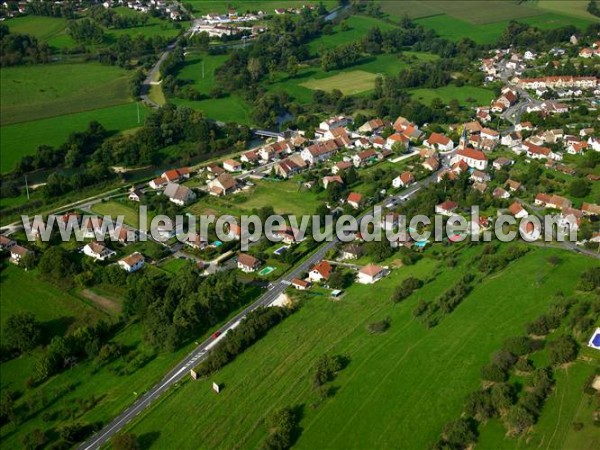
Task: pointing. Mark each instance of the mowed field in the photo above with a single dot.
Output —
(37, 92)
(53, 30)
(466, 95)
(349, 83)
(398, 389)
(24, 138)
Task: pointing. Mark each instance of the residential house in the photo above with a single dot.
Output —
(332, 179)
(440, 142)
(17, 253)
(500, 193)
(215, 170)
(372, 126)
(378, 142)
(222, 185)
(473, 127)
(488, 133)
(480, 186)
(399, 139)
(517, 210)
(511, 139)
(176, 175)
(158, 183)
(590, 209)
(446, 208)
(288, 235)
(135, 195)
(446, 174)
(196, 241)
(301, 285)
(289, 167)
(231, 165)
(341, 166)
(318, 152)
(479, 176)
(98, 251)
(431, 164)
(247, 263)
(351, 251)
(6, 243)
(354, 200)
(124, 236)
(524, 126)
(320, 272)
(513, 185)
(179, 194)
(474, 158)
(93, 227)
(335, 122)
(370, 274)
(364, 157)
(403, 180)
(250, 157)
(133, 262)
(502, 163)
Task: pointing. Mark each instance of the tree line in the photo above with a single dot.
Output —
(18, 49)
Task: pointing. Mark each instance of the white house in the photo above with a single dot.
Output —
(403, 180)
(440, 142)
(446, 208)
(133, 262)
(247, 263)
(179, 194)
(231, 165)
(320, 272)
(474, 158)
(98, 251)
(370, 274)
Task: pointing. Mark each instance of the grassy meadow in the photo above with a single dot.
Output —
(34, 92)
(24, 138)
(463, 94)
(404, 380)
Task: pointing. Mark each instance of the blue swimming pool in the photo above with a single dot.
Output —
(281, 249)
(596, 340)
(217, 243)
(421, 244)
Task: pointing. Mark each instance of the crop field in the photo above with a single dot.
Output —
(472, 11)
(406, 379)
(227, 109)
(193, 69)
(575, 8)
(463, 94)
(349, 83)
(24, 138)
(33, 92)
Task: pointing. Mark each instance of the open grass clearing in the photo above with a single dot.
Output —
(481, 96)
(408, 379)
(116, 208)
(24, 138)
(349, 83)
(37, 92)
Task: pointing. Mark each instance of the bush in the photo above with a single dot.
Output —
(562, 350)
(492, 372)
(407, 287)
(379, 327)
(325, 369)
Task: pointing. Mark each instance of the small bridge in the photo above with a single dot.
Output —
(267, 133)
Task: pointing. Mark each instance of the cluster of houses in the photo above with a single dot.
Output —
(166, 9)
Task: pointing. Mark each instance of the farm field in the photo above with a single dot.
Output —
(481, 96)
(472, 11)
(406, 379)
(192, 69)
(576, 8)
(24, 138)
(34, 92)
(227, 109)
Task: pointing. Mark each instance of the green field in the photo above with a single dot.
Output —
(53, 30)
(48, 303)
(349, 83)
(37, 92)
(487, 33)
(358, 27)
(475, 12)
(407, 380)
(116, 208)
(227, 109)
(24, 138)
(481, 96)
(576, 8)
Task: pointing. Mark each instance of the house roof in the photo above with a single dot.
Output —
(370, 153)
(448, 205)
(499, 192)
(323, 268)
(371, 270)
(333, 178)
(97, 247)
(231, 162)
(133, 259)
(437, 138)
(354, 197)
(472, 154)
(515, 208)
(4, 240)
(432, 162)
(406, 177)
(590, 208)
(489, 132)
(19, 250)
(301, 283)
(247, 260)
(226, 181)
(177, 191)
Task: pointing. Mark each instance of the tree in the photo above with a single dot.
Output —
(340, 279)
(562, 350)
(519, 419)
(579, 188)
(460, 433)
(590, 279)
(125, 441)
(56, 264)
(22, 331)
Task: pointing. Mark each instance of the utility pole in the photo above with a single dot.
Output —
(26, 187)
(138, 111)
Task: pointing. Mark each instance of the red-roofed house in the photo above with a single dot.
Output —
(370, 274)
(403, 180)
(474, 158)
(439, 142)
(354, 200)
(320, 271)
(446, 208)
